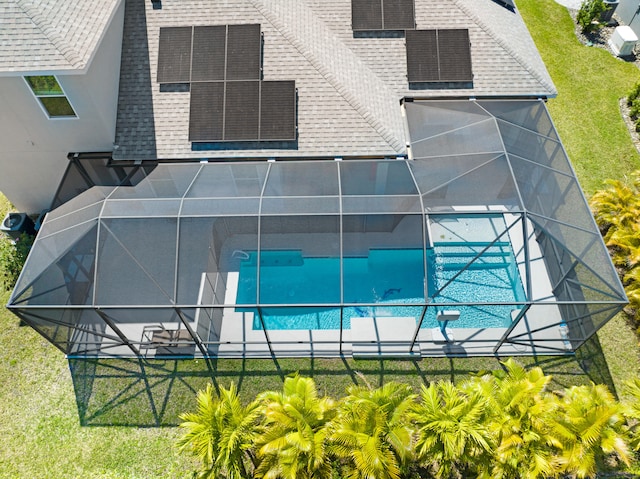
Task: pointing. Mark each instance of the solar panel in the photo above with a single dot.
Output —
(422, 56)
(244, 45)
(241, 111)
(454, 55)
(206, 117)
(398, 15)
(507, 3)
(278, 110)
(209, 51)
(438, 56)
(228, 101)
(366, 15)
(174, 55)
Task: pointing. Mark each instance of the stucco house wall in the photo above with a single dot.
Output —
(34, 148)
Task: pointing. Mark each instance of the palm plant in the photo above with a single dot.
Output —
(625, 242)
(632, 411)
(221, 433)
(591, 425)
(293, 443)
(372, 432)
(617, 205)
(617, 212)
(632, 288)
(522, 422)
(453, 433)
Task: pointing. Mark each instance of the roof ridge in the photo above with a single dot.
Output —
(506, 46)
(57, 40)
(312, 50)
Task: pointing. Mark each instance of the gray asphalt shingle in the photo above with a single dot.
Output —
(51, 35)
(349, 87)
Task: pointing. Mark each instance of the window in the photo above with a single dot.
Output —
(47, 89)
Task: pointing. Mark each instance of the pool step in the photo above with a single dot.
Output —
(456, 257)
(481, 244)
(486, 254)
(473, 266)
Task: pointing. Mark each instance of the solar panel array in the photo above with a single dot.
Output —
(209, 53)
(242, 111)
(372, 15)
(438, 56)
(229, 101)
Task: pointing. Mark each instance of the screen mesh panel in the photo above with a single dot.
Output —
(209, 51)
(241, 110)
(206, 118)
(438, 56)
(278, 110)
(174, 55)
(422, 56)
(243, 52)
(397, 240)
(454, 55)
(398, 14)
(366, 15)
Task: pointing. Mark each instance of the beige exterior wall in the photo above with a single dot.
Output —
(34, 148)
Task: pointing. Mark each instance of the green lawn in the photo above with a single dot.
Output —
(51, 426)
(590, 82)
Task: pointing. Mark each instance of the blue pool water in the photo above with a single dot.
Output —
(390, 279)
(493, 277)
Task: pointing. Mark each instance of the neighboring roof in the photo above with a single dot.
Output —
(349, 87)
(51, 35)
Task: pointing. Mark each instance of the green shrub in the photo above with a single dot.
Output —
(12, 258)
(634, 110)
(633, 94)
(589, 13)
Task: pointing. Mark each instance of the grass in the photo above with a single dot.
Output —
(52, 421)
(39, 426)
(590, 82)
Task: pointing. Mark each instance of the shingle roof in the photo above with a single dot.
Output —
(349, 87)
(51, 35)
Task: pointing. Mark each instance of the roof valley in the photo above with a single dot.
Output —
(365, 92)
(505, 45)
(42, 23)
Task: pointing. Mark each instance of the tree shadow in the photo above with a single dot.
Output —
(594, 364)
(154, 392)
(136, 392)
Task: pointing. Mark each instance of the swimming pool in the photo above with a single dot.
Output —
(386, 282)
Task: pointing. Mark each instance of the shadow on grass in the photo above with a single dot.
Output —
(153, 393)
(594, 363)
